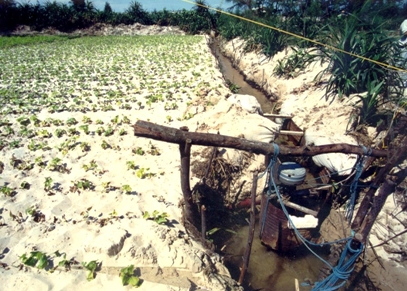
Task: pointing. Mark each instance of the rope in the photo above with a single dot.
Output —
(354, 185)
(342, 271)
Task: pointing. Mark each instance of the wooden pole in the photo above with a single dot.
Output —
(185, 152)
(173, 135)
(371, 205)
(248, 250)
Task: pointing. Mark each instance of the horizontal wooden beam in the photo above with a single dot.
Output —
(173, 135)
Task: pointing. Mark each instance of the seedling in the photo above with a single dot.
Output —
(24, 131)
(68, 145)
(153, 150)
(8, 131)
(20, 164)
(7, 191)
(71, 121)
(91, 166)
(122, 132)
(107, 187)
(35, 259)
(99, 121)
(85, 146)
(109, 131)
(87, 120)
(115, 120)
(142, 173)
(82, 184)
(126, 120)
(91, 267)
(23, 120)
(72, 131)
(43, 133)
(85, 128)
(131, 165)
(59, 132)
(14, 144)
(39, 162)
(128, 277)
(25, 185)
(48, 184)
(100, 130)
(169, 118)
(138, 151)
(126, 189)
(105, 145)
(160, 218)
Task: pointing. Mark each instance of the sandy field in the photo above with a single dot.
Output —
(101, 203)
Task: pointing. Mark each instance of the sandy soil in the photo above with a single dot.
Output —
(108, 226)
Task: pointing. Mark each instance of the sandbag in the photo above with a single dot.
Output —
(338, 163)
(247, 102)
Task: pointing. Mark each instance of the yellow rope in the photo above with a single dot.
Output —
(299, 36)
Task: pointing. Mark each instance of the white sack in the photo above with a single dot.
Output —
(247, 102)
(308, 221)
(339, 163)
(258, 128)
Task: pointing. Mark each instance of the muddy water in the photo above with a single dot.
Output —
(267, 270)
(234, 76)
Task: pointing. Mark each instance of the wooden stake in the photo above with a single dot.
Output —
(246, 257)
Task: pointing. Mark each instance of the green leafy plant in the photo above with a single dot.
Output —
(82, 184)
(92, 166)
(128, 277)
(85, 146)
(20, 164)
(48, 184)
(7, 191)
(109, 131)
(39, 162)
(160, 218)
(126, 189)
(23, 120)
(35, 259)
(122, 132)
(143, 173)
(14, 144)
(59, 132)
(99, 121)
(92, 266)
(138, 151)
(105, 145)
(85, 128)
(131, 165)
(71, 121)
(86, 119)
(126, 120)
(24, 185)
(153, 150)
(100, 130)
